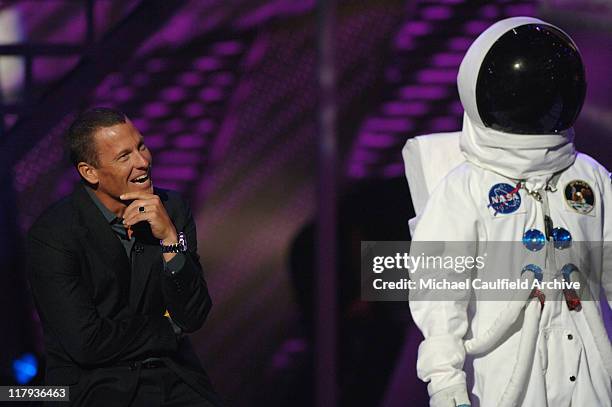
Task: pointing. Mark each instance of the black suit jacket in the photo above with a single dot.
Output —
(97, 316)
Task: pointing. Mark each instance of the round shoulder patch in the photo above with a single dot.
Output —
(579, 196)
(504, 198)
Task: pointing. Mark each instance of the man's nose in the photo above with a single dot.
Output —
(142, 160)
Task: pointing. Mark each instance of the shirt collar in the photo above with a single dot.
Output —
(108, 214)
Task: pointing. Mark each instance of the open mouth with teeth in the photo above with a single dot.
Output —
(141, 180)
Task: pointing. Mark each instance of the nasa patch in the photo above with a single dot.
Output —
(579, 196)
(504, 198)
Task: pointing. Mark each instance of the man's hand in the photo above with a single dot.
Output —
(154, 213)
(454, 396)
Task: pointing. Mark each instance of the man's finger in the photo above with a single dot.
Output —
(140, 202)
(137, 217)
(136, 195)
(135, 205)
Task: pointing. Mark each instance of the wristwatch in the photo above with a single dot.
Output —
(180, 247)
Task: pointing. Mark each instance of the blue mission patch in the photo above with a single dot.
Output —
(504, 198)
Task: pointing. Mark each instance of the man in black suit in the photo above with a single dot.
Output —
(116, 277)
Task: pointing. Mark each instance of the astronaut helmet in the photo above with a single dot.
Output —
(523, 76)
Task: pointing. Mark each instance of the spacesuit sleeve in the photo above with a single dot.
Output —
(606, 277)
(450, 218)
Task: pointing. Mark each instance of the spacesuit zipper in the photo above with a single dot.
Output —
(549, 261)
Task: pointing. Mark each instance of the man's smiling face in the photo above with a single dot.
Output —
(124, 162)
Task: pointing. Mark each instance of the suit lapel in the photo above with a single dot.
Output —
(98, 237)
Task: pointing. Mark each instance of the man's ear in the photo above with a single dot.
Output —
(88, 172)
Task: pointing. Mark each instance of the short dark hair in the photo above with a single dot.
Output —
(79, 137)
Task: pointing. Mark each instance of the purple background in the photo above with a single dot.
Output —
(226, 96)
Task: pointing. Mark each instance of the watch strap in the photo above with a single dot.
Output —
(180, 247)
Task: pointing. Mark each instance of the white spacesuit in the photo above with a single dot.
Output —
(521, 181)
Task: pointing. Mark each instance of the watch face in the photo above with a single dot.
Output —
(182, 242)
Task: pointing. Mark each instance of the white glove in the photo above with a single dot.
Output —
(454, 396)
